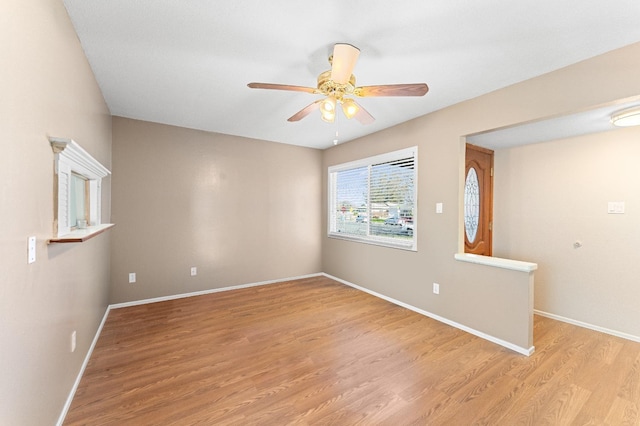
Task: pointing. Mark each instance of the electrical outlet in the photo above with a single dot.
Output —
(436, 288)
(73, 341)
(132, 277)
(194, 271)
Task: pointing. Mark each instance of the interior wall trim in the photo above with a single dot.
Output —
(588, 325)
(493, 339)
(203, 292)
(87, 357)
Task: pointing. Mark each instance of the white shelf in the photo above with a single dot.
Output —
(81, 235)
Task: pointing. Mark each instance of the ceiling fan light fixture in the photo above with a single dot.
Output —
(627, 117)
(328, 109)
(328, 117)
(350, 108)
(329, 105)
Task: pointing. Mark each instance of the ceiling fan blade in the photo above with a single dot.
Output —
(281, 87)
(305, 111)
(363, 115)
(418, 89)
(343, 62)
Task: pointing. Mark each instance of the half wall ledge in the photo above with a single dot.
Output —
(497, 262)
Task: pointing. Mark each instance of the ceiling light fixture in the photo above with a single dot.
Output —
(350, 108)
(328, 109)
(627, 117)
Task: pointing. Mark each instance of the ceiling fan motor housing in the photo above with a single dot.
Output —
(328, 87)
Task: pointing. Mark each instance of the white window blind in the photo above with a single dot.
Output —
(373, 200)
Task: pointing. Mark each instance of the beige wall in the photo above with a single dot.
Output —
(549, 196)
(238, 209)
(408, 276)
(46, 89)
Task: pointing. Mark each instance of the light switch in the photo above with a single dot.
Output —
(438, 207)
(32, 250)
(615, 207)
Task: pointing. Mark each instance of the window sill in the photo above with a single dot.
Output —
(81, 235)
(497, 262)
(408, 245)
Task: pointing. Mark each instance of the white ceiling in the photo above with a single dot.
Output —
(187, 63)
(579, 123)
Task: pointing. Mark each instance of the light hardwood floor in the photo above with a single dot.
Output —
(314, 351)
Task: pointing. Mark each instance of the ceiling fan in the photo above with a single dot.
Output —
(338, 85)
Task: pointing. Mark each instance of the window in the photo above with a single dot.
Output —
(79, 209)
(374, 200)
(77, 189)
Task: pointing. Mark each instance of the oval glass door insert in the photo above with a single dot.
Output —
(471, 205)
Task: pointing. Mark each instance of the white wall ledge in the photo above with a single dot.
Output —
(81, 235)
(497, 262)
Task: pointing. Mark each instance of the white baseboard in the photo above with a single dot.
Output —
(87, 357)
(516, 348)
(587, 325)
(203, 292)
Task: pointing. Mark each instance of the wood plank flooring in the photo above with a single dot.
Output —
(316, 352)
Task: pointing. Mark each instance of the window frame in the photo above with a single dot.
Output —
(404, 244)
(71, 159)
